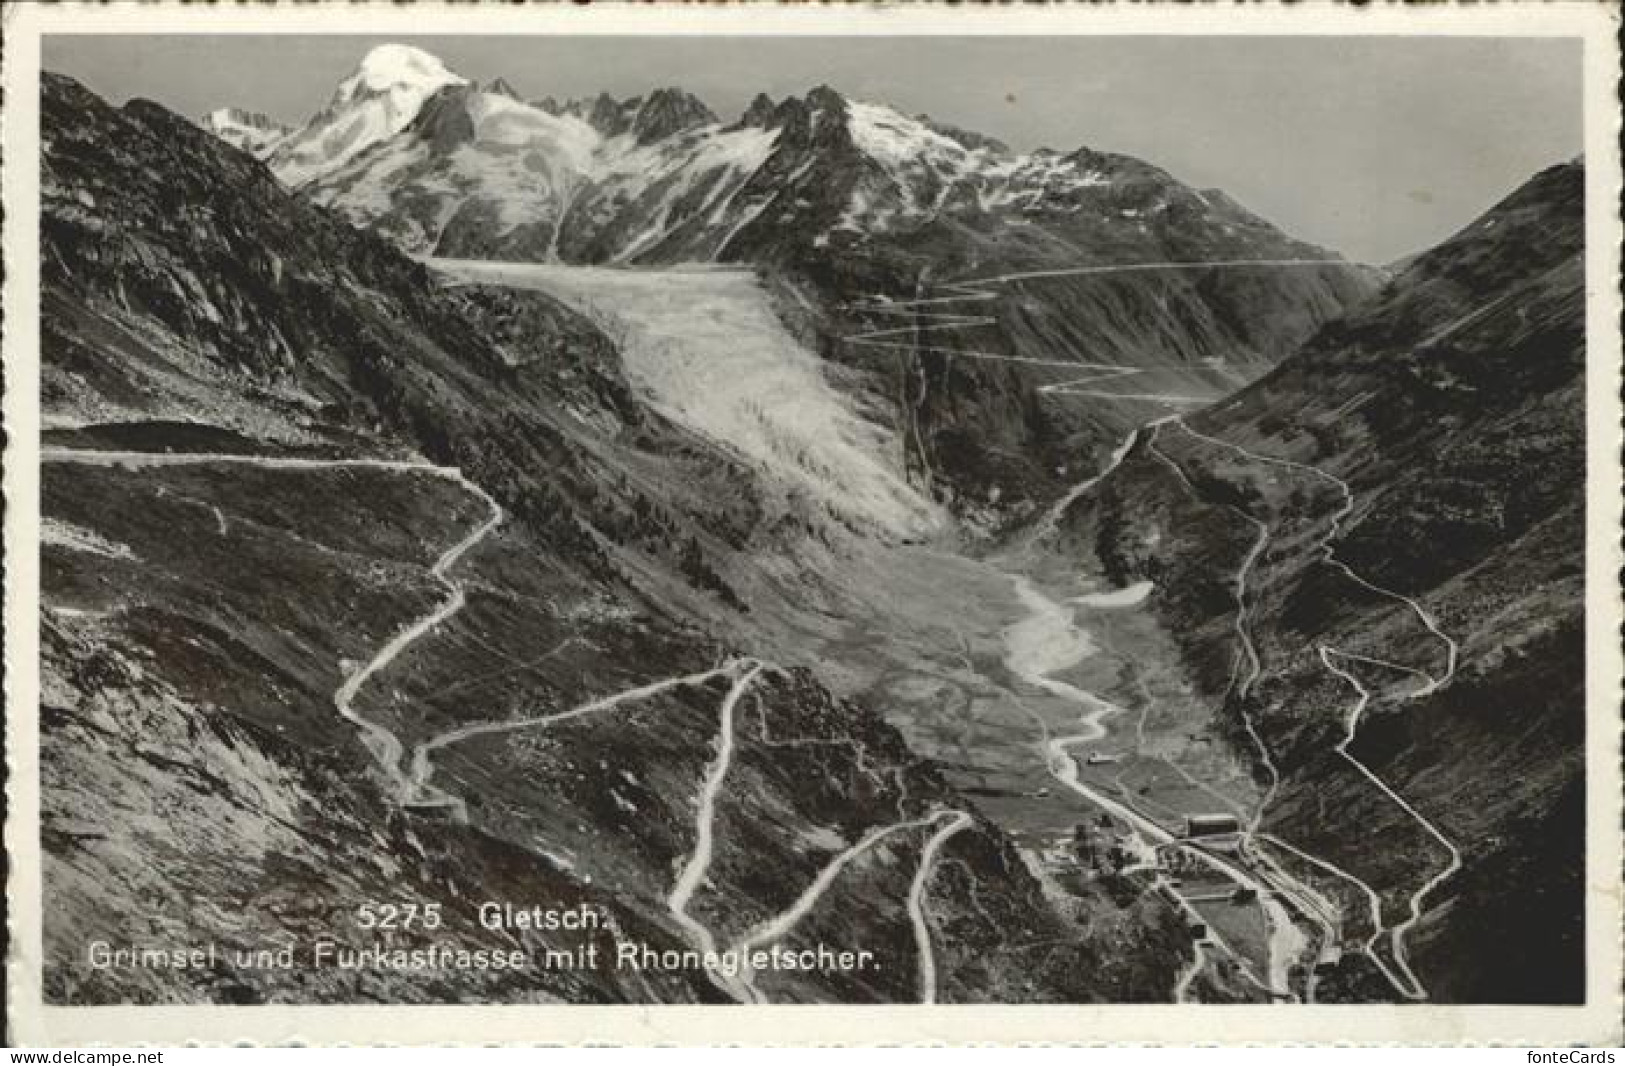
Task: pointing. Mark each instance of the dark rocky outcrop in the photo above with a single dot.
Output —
(760, 111)
(444, 121)
(500, 87)
(668, 112)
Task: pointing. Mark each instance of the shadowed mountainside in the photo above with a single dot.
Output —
(1416, 475)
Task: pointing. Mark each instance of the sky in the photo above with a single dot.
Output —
(1376, 147)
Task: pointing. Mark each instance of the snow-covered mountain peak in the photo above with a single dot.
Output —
(249, 130)
(398, 66)
(896, 141)
(378, 101)
(443, 164)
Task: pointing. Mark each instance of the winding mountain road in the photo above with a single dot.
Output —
(385, 745)
(1415, 990)
(781, 924)
(957, 822)
(1405, 982)
(984, 289)
(1329, 553)
(422, 765)
(1315, 907)
(414, 788)
(698, 866)
(1310, 903)
(1283, 934)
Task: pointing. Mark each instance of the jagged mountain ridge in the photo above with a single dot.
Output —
(664, 112)
(375, 103)
(893, 173)
(841, 202)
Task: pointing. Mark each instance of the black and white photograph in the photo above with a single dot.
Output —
(907, 519)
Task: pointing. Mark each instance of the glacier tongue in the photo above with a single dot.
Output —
(706, 347)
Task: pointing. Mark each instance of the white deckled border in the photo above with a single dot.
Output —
(1598, 1022)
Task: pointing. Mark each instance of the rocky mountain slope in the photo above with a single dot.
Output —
(356, 587)
(1399, 507)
